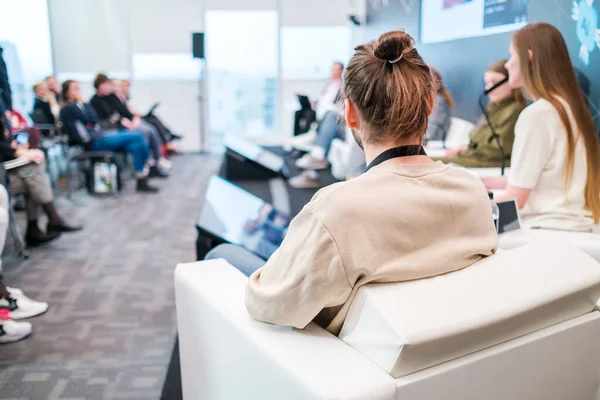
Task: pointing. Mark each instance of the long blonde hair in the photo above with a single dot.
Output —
(549, 75)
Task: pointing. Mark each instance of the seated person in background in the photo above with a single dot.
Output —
(81, 124)
(14, 305)
(114, 115)
(123, 90)
(406, 218)
(45, 106)
(505, 106)
(18, 124)
(439, 121)
(555, 171)
(329, 96)
(32, 181)
(53, 87)
(328, 110)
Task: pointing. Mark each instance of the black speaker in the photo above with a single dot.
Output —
(198, 44)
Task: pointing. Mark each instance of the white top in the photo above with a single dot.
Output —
(539, 160)
(326, 101)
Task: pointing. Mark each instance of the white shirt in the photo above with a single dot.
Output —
(326, 101)
(539, 161)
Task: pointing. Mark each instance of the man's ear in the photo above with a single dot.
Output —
(430, 104)
(351, 115)
(530, 53)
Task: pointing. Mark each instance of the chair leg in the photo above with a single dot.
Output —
(16, 234)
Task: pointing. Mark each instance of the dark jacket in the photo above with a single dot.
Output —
(43, 112)
(6, 151)
(80, 123)
(110, 110)
(5, 92)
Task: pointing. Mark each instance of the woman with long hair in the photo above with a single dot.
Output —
(555, 172)
(439, 121)
(504, 108)
(408, 217)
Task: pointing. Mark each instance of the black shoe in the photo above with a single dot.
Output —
(36, 240)
(155, 172)
(145, 187)
(176, 137)
(63, 228)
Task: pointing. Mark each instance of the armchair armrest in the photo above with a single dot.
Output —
(227, 355)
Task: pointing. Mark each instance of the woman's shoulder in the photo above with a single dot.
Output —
(538, 108)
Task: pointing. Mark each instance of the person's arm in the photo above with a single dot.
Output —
(304, 276)
(120, 107)
(5, 91)
(531, 151)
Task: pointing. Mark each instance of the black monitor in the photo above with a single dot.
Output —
(232, 215)
(508, 216)
(243, 151)
(304, 102)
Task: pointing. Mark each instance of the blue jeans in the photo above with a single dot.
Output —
(242, 259)
(133, 143)
(328, 130)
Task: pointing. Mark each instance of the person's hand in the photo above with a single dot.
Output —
(36, 156)
(126, 123)
(137, 121)
(456, 151)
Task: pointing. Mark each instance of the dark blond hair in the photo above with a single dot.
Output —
(392, 98)
(548, 74)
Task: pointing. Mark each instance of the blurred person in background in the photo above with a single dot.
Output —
(114, 115)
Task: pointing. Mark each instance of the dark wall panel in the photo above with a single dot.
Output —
(463, 61)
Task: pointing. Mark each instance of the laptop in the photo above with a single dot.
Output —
(235, 216)
(304, 101)
(508, 219)
(256, 154)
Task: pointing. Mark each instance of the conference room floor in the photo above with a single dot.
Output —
(111, 325)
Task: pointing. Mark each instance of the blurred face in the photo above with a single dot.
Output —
(41, 90)
(125, 88)
(74, 92)
(336, 72)
(514, 68)
(105, 89)
(500, 93)
(52, 84)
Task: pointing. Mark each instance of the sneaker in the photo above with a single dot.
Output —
(305, 141)
(165, 164)
(20, 306)
(306, 180)
(144, 187)
(12, 331)
(156, 172)
(310, 162)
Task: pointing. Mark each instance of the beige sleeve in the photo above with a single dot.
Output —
(301, 278)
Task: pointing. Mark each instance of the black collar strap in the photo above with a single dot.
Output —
(397, 152)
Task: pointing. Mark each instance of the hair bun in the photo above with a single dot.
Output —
(392, 45)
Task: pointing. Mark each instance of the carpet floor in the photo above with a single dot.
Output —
(110, 329)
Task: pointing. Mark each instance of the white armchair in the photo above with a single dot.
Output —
(525, 328)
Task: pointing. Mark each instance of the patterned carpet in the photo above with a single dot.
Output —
(110, 329)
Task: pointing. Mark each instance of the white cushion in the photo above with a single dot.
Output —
(409, 326)
(586, 241)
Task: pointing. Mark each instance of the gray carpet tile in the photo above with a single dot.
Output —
(110, 328)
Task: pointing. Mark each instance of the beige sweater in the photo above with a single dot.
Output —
(394, 223)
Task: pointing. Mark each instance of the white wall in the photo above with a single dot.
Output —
(91, 35)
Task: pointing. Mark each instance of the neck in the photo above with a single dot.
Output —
(372, 150)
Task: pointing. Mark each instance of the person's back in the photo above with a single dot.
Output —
(555, 171)
(406, 218)
(554, 202)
